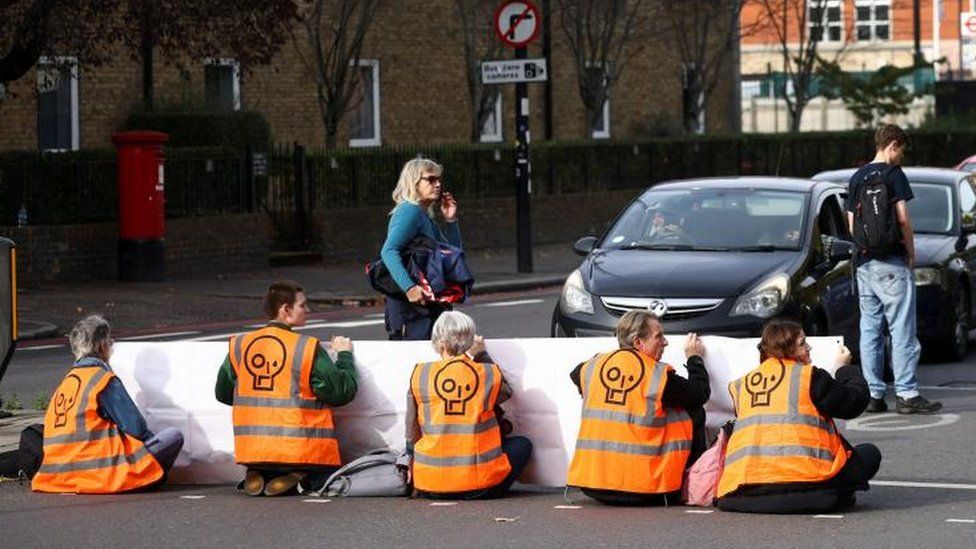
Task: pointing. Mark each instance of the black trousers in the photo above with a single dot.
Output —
(408, 322)
(631, 499)
(831, 495)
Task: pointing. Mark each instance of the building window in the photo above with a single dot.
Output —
(491, 130)
(222, 84)
(601, 128)
(57, 104)
(873, 19)
(364, 125)
(824, 21)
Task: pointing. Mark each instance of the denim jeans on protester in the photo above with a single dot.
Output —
(886, 291)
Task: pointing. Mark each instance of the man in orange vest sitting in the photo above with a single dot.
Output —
(283, 386)
(641, 423)
(453, 430)
(95, 439)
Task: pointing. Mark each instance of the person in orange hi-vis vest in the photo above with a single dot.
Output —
(641, 423)
(95, 439)
(454, 428)
(785, 454)
(283, 386)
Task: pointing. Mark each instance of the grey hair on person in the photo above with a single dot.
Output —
(454, 332)
(633, 325)
(87, 335)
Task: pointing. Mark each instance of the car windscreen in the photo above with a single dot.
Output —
(968, 167)
(931, 210)
(711, 219)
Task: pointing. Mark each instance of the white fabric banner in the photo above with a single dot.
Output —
(173, 385)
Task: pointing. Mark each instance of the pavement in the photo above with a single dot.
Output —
(133, 307)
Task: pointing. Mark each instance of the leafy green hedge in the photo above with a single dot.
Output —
(235, 129)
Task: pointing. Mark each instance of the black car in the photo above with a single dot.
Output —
(718, 256)
(942, 215)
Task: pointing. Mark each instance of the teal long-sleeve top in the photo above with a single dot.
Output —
(333, 383)
(407, 222)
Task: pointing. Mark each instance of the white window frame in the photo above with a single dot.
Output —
(605, 115)
(496, 115)
(236, 84)
(376, 140)
(872, 23)
(826, 5)
(70, 63)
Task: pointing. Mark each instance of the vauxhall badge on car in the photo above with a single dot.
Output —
(657, 308)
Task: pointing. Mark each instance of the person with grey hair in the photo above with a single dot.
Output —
(418, 190)
(95, 439)
(455, 432)
(642, 424)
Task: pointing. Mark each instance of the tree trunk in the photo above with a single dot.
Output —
(146, 53)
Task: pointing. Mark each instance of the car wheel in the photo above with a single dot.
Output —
(955, 342)
(554, 329)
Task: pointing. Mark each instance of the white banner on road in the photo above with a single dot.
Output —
(173, 384)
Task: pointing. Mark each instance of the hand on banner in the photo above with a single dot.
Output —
(694, 346)
(340, 343)
(843, 356)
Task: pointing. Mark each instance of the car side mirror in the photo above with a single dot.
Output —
(585, 245)
(837, 249)
(968, 223)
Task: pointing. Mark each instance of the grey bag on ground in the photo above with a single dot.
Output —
(380, 473)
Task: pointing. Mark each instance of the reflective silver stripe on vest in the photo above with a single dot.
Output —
(424, 386)
(82, 406)
(287, 403)
(633, 449)
(795, 377)
(289, 432)
(673, 416)
(457, 461)
(489, 382)
(588, 371)
(779, 451)
(460, 428)
(83, 436)
(296, 365)
(785, 419)
(236, 349)
(100, 463)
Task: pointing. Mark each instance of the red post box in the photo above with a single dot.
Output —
(142, 209)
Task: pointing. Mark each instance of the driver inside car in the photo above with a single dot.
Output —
(666, 227)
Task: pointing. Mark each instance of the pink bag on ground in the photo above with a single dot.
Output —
(701, 479)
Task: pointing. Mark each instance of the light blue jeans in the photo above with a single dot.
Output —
(886, 289)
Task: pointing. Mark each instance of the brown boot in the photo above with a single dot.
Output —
(283, 484)
(253, 483)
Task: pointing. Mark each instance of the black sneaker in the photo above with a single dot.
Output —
(876, 406)
(917, 405)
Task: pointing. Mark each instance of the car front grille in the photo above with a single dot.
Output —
(678, 308)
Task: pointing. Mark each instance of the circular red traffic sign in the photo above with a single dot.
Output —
(971, 24)
(517, 23)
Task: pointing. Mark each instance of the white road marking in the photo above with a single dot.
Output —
(347, 324)
(939, 485)
(375, 315)
(963, 521)
(567, 507)
(42, 347)
(899, 422)
(829, 516)
(443, 503)
(194, 496)
(316, 500)
(512, 303)
(214, 336)
(700, 511)
(940, 388)
(152, 336)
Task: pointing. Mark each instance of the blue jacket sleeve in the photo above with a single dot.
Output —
(404, 226)
(453, 233)
(115, 405)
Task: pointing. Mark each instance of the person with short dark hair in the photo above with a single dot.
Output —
(886, 276)
(642, 424)
(283, 386)
(95, 439)
(785, 454)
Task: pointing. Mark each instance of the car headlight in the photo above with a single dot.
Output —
(575, 298)
(765, 299)
(927, 276)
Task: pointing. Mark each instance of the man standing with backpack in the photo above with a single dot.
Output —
(877, 215)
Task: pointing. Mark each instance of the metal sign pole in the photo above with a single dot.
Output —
(523, 171)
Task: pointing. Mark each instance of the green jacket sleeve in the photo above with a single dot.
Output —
(226, 380)
(333, 383)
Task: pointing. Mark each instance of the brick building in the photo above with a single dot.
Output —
(415, 93)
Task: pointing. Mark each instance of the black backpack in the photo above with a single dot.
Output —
(876, 232)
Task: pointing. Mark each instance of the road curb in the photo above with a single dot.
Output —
(33, 329)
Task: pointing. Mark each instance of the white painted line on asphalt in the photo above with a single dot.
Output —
(567, 506)
(938, 388)
(829, 516)
(152, 336)
(963, 521)
(316, 500)
(67, 494)
(443, 503)
(375, 315)
(193, 496)
(214, 336)
(42, 347)
(512, 303)
(939, 485)
(348, 324)
(700, 511)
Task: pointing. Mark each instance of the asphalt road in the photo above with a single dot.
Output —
(924, 495)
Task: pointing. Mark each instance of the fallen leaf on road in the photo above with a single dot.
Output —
(506, 519)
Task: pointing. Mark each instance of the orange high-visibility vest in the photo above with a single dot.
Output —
(460, 448)
(779, 435)
(628, 441)
(277, 418)
(85, 453)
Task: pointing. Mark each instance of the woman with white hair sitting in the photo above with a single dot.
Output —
(453, 431)
(95, 439)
